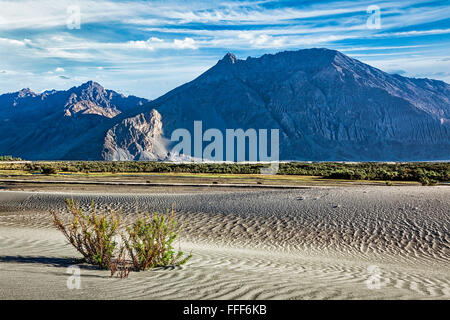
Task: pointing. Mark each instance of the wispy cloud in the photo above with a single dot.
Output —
(14, 42)
(152, 42)
(157, 43)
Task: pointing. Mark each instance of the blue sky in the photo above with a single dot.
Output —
(146, 48)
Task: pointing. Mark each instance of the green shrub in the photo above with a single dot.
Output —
(341, 174)
(49, 170)
(425, 181)
(149, 241)
(93, 235)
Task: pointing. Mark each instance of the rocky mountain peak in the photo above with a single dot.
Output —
(89, 88)
(25, 93)
(91, 84)
(91, 98)
(229, 58)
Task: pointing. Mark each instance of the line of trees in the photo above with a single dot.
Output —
(9, 158)
(424, 172)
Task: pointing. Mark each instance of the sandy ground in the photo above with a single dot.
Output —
(359, 242)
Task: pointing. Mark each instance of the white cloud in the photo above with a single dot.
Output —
(157, 43)
(262, 40)
(414, 65)
(14, 42)
(59, 69)
(149, 44)
(48, 13)
(63, 53)
(248, 14)
(186, 43)
(352, 48)
(414, 33)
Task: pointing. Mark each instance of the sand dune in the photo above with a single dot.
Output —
(317, 243)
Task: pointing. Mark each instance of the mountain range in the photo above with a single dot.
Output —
(326, 105)
(61, 124)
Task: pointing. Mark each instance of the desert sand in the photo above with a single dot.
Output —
(356, 242)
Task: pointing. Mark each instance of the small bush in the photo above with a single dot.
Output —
(49, 170)
(149, 242)
(91, 234)
(425, 181)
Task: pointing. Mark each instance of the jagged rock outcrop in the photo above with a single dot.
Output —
(136, 138)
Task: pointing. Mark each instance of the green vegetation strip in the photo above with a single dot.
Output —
(427, 173)
(9, 158)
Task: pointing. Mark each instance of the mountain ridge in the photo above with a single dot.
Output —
(327, 106)
(64, 124)
(329, 92)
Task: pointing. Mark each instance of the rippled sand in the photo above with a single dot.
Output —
(316, 243)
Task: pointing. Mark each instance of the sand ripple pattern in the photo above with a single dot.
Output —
(297, 244)
(35, 268)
